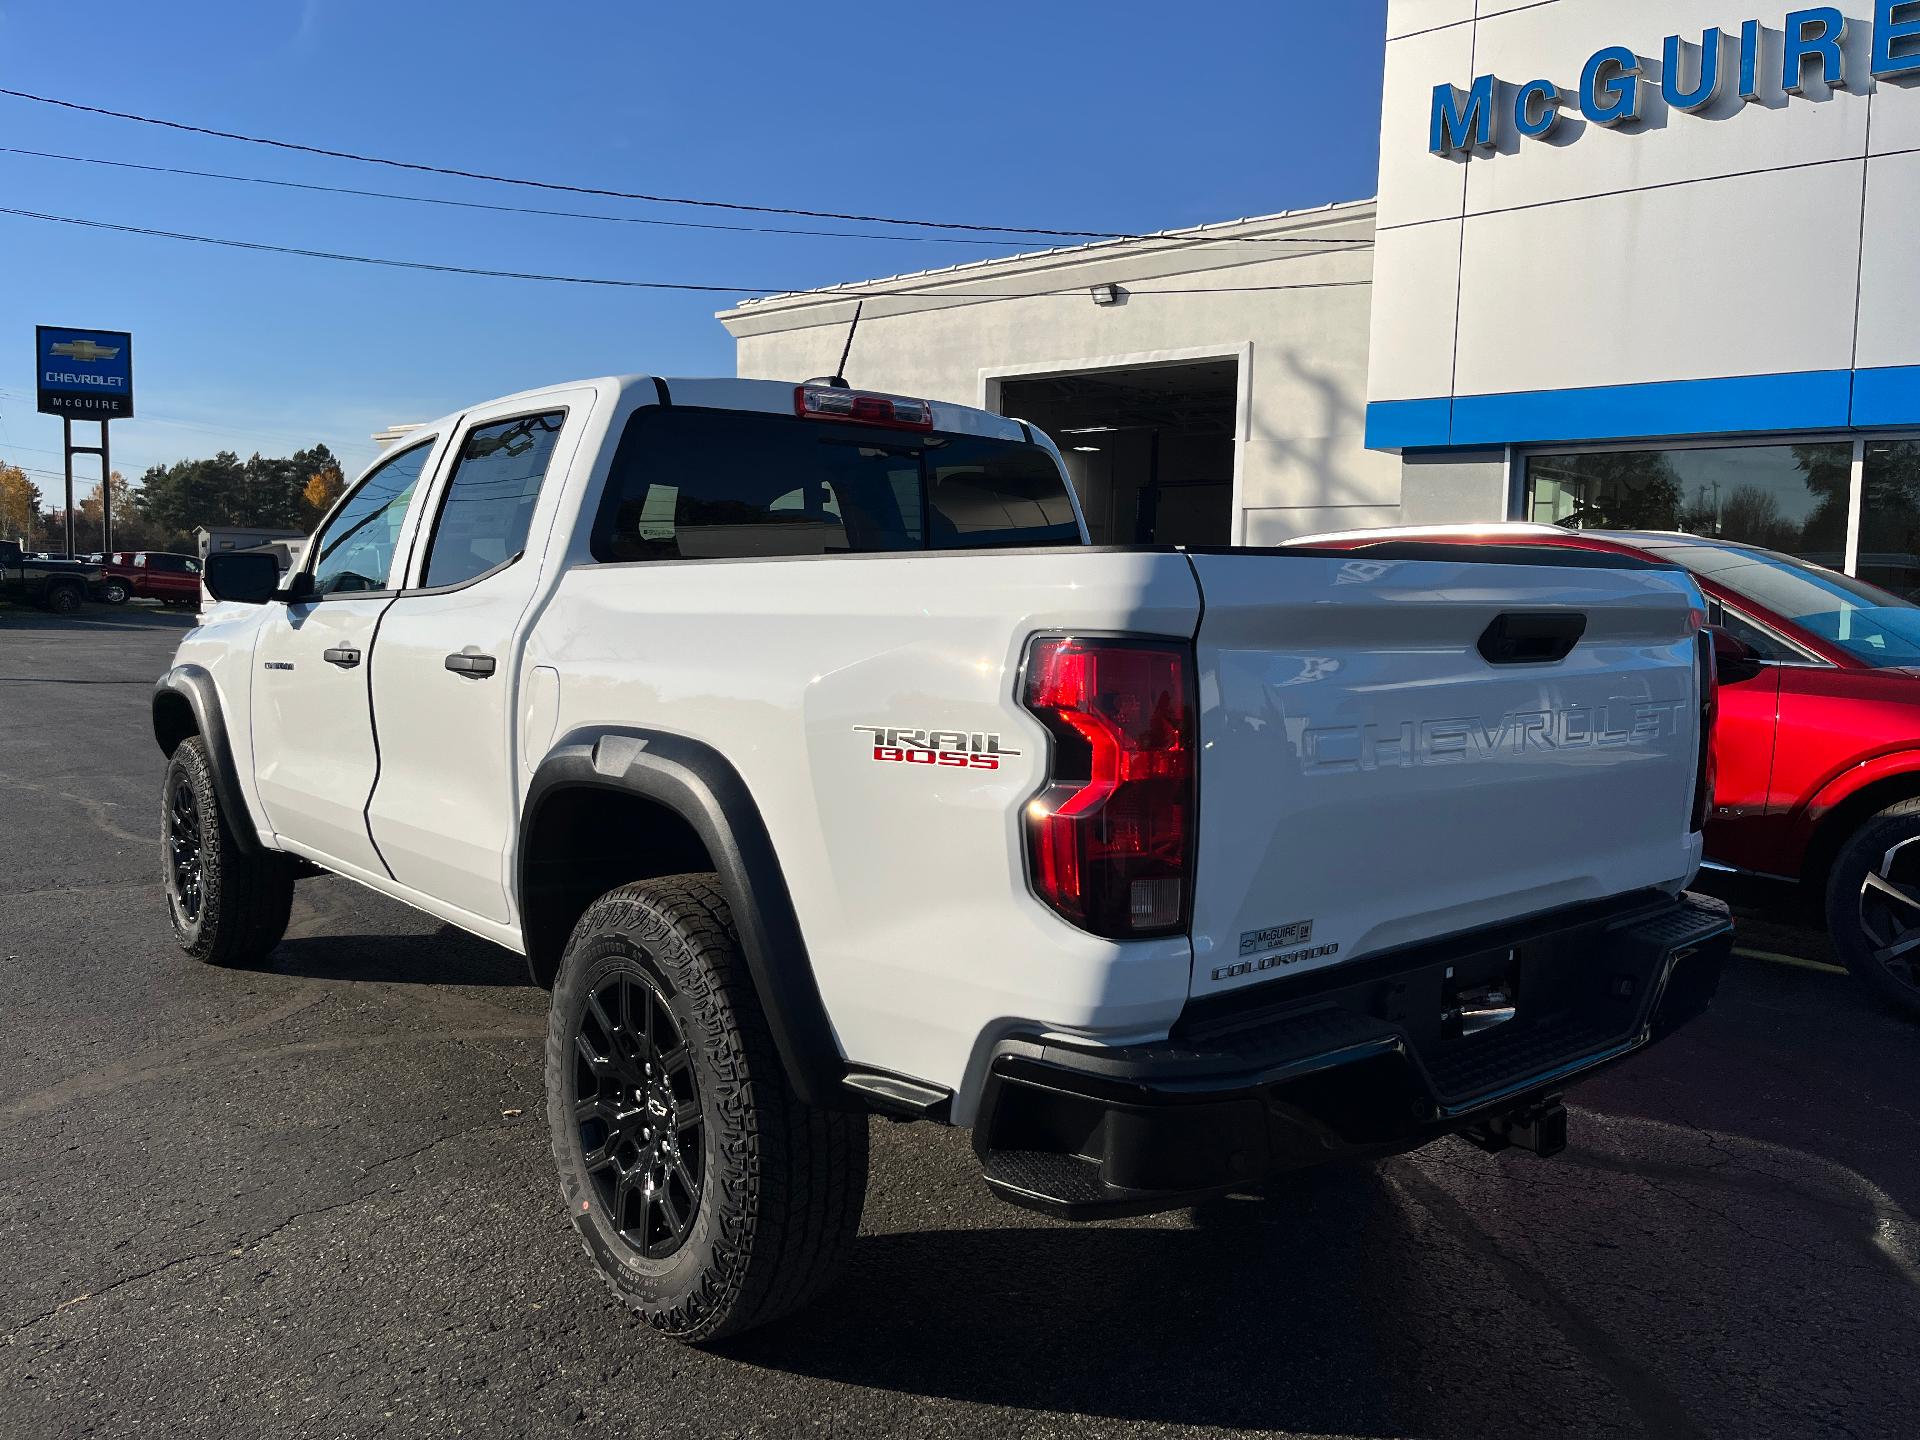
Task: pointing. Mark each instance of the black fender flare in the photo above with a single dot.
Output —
(195, 685)
(697, 783)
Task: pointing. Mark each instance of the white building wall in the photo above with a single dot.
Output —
(1303, 464)
(1749, 239)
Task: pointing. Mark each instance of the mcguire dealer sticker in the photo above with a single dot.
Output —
(1288, 945)
(1276, 937)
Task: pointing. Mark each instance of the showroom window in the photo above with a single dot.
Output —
(1792, 498)
(1850, 505)
(1890, 517)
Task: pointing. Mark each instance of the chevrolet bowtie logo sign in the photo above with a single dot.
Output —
(84, 374)
(85, 350)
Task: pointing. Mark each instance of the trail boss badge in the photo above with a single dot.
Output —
(951, 749)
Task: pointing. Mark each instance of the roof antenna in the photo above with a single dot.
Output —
(840, 371)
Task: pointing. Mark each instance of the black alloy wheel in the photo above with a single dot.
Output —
(636, 1107)
(709, 1196)
(229, 903)
(1889, 913)
(185, 868)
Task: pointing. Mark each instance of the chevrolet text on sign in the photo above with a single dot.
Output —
(84, 374)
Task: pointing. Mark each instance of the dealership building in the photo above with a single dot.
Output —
(1632, 263)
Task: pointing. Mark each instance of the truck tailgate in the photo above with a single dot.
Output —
(1370, 779)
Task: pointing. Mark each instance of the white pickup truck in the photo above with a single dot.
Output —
(802, 744)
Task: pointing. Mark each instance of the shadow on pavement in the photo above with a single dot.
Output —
(1263, 1317)
(1711, 1188)
(448, 956)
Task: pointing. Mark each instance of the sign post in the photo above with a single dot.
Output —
(85, 375)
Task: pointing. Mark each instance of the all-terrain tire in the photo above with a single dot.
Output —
(780, 1184)
(228, 906)
(1873, 905)
(64, 599)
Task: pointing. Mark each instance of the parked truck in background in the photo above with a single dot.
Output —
(58, 585)
(151, 575)
(805, 748)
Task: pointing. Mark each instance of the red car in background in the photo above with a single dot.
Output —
(1817, 745)
(152, 575)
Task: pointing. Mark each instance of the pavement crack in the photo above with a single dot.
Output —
(254, 1243)
(96, 810)
(105, 888)
(153, 1063)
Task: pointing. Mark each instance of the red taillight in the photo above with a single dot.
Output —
(1706, 770)
(826, 402)
(1111, 837)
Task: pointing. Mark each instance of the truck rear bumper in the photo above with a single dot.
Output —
(1366, 1059)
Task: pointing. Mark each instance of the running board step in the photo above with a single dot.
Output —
(1067, 1187)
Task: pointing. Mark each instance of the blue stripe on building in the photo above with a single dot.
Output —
(1674, 409)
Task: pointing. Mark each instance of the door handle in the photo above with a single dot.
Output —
(345, 656)
(465, 662)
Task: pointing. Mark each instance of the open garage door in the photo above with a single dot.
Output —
(1150, 449)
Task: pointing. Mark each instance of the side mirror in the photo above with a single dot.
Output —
(1733, 656)
(297, 590)
(247, 577)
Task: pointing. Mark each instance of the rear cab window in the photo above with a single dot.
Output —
(695, 484)
(487, 506)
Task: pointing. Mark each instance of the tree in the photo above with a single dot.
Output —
(1828, 471)
(1620, 490)
(323, 487)
(19, 505)
(175, 498)
(130, 528)
(264, 491)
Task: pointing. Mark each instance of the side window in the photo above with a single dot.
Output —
(355, 551)
(1763, 645)
(490, 498)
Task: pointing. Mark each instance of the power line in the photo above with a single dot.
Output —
(630, 219)
(554, 185)
(622, 284)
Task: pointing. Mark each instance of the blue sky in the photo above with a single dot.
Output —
(1117, 115)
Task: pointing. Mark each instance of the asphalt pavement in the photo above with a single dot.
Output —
(315, 1199)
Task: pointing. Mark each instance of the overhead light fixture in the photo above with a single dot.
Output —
(1087, 449)
(1090, 430)
(1106, 295)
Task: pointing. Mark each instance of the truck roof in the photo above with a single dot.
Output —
(772, 397)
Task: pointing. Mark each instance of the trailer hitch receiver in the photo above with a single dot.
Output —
(1540, 1127)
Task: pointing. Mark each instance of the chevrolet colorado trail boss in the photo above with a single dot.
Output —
(802, 744)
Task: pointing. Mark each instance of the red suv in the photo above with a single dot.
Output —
(153, 574)
(1818, 741)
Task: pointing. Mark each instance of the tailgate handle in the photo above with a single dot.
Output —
(1518, 638)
